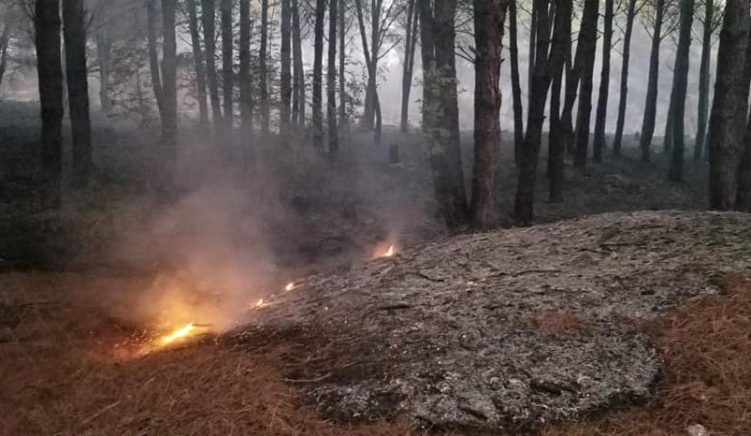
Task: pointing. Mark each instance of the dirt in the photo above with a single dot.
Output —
(477, 331)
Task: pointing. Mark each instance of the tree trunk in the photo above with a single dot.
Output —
(286, 73)
(195, 40)
(650, 106)
(151, 34)
(50, 73)
(246, 84)
(588, 42)
(169, 84)
(342, 63)
(531, 49)
(743, 192)
(602, 98)
(706, 54)
(489, 17)
(331, 81)
(410, 41)
(573, 77)
(680, 85)
(724, 140)
(298, 95)
(103, 49)
(516, 89)
(263, 69)
(228, 73)
(556, 144)
(318, 76)
(74, 32)
(547, 63)
(208, 16)
(444, 154)
(667, 142)
(369, 109)
(621, 121)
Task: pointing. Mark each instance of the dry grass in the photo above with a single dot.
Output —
(559, 323)
(60, 374)
(706, 347)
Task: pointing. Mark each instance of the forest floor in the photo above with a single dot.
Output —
(72, 360)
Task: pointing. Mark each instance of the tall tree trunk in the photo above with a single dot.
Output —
(588, 42)
(706, 54)
(50, 73)
(195, 40)
(516, 89)
(169, 85)
(680, 85)
(438, 137)
(489, 17)
(743, 192)
(103, 49)
(342, 63)
(228, 73)
(573, 77)
(208, 16)
(724, 140)
(667, 142)
(74, 32)
(650, 106)
(410, 40)
(548, 61)
(531, 49)
(621, 121)
(151, 35)
(246, 84)
(318, 76)
(602, 98)
(298, 95)
(286, 73)
(331, 81)
(263, 69)
(368, 116)
(556, 139)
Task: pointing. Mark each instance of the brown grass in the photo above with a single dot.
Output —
(60, 374)
(706, 347)
(559, 323)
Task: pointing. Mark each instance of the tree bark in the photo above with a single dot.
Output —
(263, 69)
(286, 73)
(623, 101)
(573, 77)
(369, 109)
(50, 74)
(680, 85)
(588, 42)
(548, 62)
(556, 144)
(602, 98)
(198, 62)
(298, 95)
(342, 15)
(724, 140)
(516, 89)
(246, 84)
(650, 106)
(488, 17)
(74, 33)
(410, 40)
(228, 73)
(208, 17)
(743, 192)
(104, 48)
(318, 76)
(444, 154)
(154, 69)
(706, 54)
(169, 84)
(331, 81)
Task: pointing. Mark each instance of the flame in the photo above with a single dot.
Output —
(390, 251)
(383, 250)
(261, 303)
(177, 334)
(290, 287)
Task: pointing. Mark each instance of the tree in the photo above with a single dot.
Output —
(602, 98)
(488, 17)
(286, 74)
(154, 68)
(724, 138)
(556, 135)
(74, 33)
(709, 24)
(298, 93)
(342, 63)
(263, 69)
(743, 192)
(228, 73)
(623, 99)
(5, 39)
(208, 17)
(650, 106)
(680, 84)
(516, 89)
(440, 135)
(549, 59)
(410, 42)
(50, 74)
(198, 62)
(169, 84)
(318, 75)
(246, 85)
(588, 44)
(331, 80)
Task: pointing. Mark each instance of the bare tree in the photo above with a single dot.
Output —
(516, 89)
(331, 80)
(245, 78)
(169, 84)
(709, 24)
(263, 69)
(650, 106)
(199, 65)
(154, 68)
(680, 85)
(318, 75)
(208, 17)
(410, 42)
(724, 138)
(342, 16)
(588, 44)
(602, 98)
(228, 73)
(556, 135)
(623, 101)
(286, 73)
(298, 93)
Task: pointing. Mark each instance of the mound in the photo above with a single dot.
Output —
(502, 330)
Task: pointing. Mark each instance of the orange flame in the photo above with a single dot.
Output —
(290, 287)
(178, 334)
(382, 250)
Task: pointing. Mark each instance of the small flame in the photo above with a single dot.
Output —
(261, 303)
(177, 334)
(390, 251)
(383, 250)
(290, 287)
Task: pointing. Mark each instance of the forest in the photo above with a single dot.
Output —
(376, 217)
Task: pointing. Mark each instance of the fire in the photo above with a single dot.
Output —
(383, 250)
(290, 287)
(390, 251)
(261, 303)
(180, 333)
